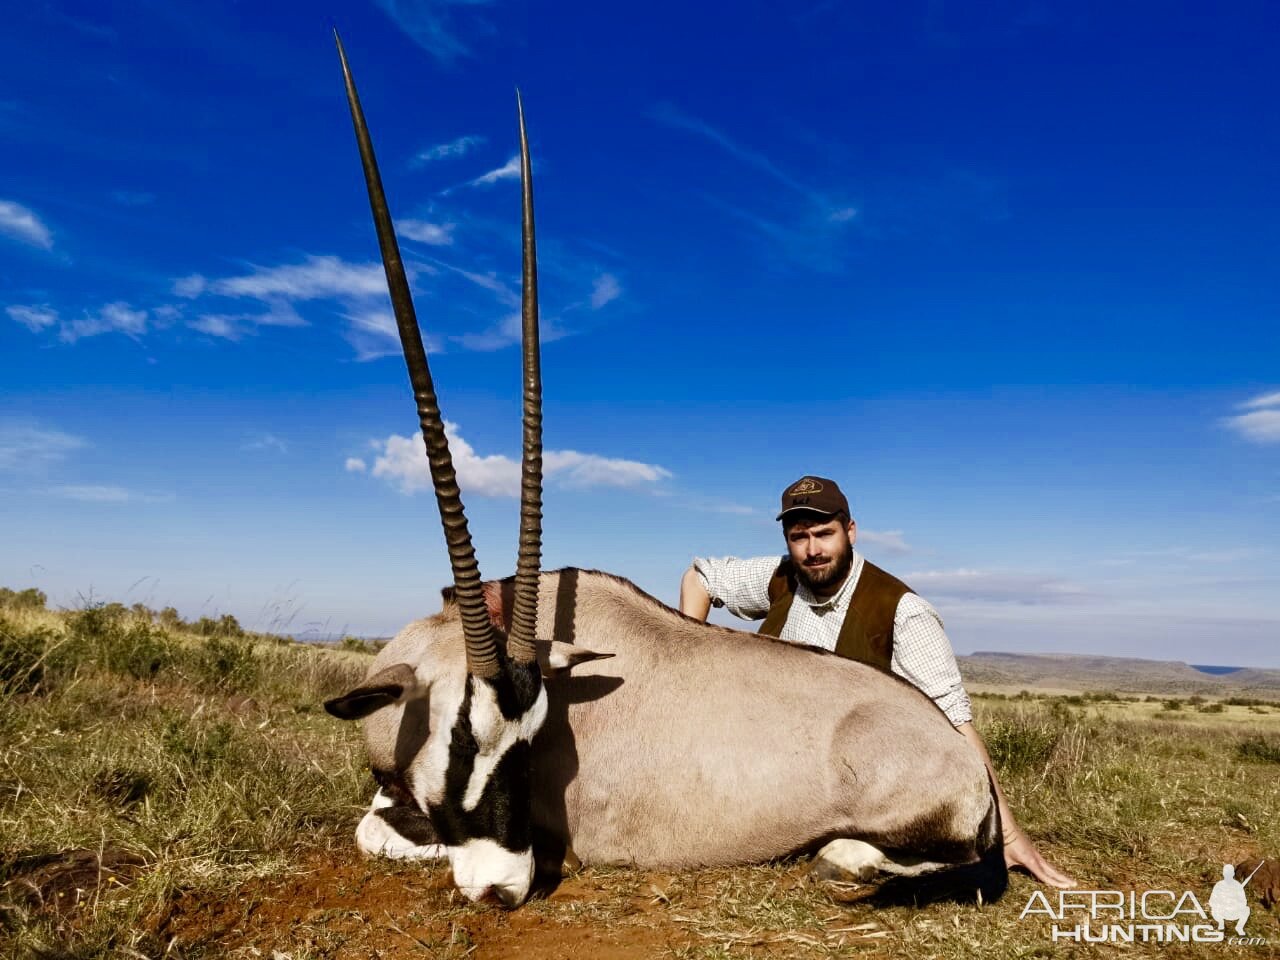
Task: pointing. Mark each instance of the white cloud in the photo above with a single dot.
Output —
(218, 325)
(508, 171)
(890, 541)
(190, 287)
(317, 278)
(355, 465)
(606, 289)
(22, 224)
(1261, 401)
(1262, 423)
(34, 319)
(429, 25)
(402, 461)
(107, 494)
(442, 151)
(373, 333)
(507, 332)
(842, 214)
(984, 585)
(113, 318)
(591, 470)
(25, 447)
(92, 494)
(435, 234)
(267, 441)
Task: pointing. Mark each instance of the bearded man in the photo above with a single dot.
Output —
(825, 594)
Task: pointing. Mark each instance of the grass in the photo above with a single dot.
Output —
(192, 765)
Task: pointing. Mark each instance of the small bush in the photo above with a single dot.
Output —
(226, 663)
(1212, 708)
(1259, 749)
(356, 645)
(1173, 704)
(29, 599)
(1022, 741)
(113, 639)
(22, 656)
(1195, 700)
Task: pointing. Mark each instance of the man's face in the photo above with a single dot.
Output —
(822, 551)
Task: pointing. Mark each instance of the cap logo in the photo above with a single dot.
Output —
(806, 486)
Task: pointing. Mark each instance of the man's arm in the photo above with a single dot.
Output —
(694, 600)
(741, 586)
(922, 656)
(1019, 851)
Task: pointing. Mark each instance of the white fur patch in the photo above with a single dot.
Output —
(377, 838)
(495, 735)
(481, 866)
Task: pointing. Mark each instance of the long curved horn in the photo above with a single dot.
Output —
(482, 647)
(524, 613)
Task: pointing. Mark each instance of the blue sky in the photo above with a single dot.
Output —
(1008, 272)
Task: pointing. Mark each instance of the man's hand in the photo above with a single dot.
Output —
(1019, 851)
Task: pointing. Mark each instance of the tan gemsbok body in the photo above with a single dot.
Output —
(672, 743)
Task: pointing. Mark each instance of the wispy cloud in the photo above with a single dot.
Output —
(435, 234)
(507, 332)
(266, 441)
(889, 541)
(443, 151)
(402, 462)
(89, 493)
(355, 465)
(22, 224)
(26, 447)
(429, 23)
(373, 334)
(34, 319)
(220, 325)
(673, 117)
(116, 317)
(1261, 424)
(316, 278)
(606, 289)
(508, 171)
(995, 586)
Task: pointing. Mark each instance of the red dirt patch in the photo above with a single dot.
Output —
(359, 909)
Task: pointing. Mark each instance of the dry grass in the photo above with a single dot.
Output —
(215, 801)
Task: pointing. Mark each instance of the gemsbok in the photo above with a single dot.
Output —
(672, 743)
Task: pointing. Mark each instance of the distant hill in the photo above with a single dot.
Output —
(1075, 671)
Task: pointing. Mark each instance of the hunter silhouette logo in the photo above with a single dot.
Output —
(1149, 916)
(805, 487)
(1228, 902)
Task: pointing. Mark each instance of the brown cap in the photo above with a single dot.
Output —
(814, 495)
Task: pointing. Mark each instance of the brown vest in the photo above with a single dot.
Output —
(867, 631)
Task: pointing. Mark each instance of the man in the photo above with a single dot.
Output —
(825, 594)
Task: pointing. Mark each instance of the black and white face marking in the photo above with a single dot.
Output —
(481, 812)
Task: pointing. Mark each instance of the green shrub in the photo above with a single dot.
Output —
(108, 636)
(1022, 741)
(1212, 708)
(226, 663)
(29, 599)
(22, 656)
(1173, 704)
(1259, 749)
(356, 645)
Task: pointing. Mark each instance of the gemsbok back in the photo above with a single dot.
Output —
(671, 744)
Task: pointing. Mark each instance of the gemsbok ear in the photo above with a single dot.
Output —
(381, 690)
(556, 658)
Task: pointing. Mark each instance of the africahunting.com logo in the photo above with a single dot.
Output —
(1149, 916)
